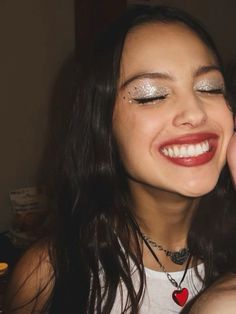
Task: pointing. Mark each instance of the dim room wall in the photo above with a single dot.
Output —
(36, 37)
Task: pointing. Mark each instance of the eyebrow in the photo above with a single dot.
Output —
(153, 75)
(206, 69)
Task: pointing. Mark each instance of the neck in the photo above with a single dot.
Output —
(163, 216)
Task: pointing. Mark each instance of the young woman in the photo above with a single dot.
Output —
(146, 206)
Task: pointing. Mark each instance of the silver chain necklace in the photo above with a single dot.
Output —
(180, 295)
(177, 257)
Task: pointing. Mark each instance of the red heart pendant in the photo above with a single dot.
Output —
(180, 296)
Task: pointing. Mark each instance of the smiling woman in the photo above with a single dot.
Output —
(145, 202)
(171, 111)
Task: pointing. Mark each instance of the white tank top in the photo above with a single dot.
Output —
(158, 293)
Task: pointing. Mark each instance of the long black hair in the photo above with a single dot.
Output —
(94, 239)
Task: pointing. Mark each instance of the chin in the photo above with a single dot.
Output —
(199, 189)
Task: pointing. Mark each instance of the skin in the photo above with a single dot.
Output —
(159, 199)
(219, 298)
(231, 153)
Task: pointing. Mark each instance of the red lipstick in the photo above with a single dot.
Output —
(191, 139)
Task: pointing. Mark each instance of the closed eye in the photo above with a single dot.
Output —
(150, 99)
(216, 91)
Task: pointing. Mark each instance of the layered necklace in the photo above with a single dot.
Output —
(180, 294)
(177, 257)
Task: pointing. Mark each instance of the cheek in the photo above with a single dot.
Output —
(134, 131)
(135, 127)
(225, 118)
(123, 125)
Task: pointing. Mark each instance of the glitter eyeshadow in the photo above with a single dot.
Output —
(147, 90)
(208, 85)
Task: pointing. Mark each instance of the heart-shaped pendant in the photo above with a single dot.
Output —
(180, 296)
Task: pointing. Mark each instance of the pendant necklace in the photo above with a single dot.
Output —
(177, 257)
(179, 295)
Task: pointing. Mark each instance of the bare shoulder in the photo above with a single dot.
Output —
(31, 281)
(220, 298)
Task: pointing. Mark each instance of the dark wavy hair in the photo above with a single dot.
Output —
(94, 239)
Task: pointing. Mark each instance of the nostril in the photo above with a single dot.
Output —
(190, 118)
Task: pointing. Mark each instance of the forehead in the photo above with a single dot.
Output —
(159, 46)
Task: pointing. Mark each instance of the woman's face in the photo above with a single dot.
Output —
(171, 121)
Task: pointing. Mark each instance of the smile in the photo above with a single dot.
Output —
(190, 150)
(183, 151)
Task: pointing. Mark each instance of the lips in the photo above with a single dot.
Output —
(190, 150)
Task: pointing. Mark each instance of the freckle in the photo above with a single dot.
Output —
(135, 87)
(124, 97)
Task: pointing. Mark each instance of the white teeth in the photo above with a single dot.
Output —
(205, 146)
(165, 151)
(191, 150)
(198, 149)
(170, 152)
(176, 150)
(183, 151)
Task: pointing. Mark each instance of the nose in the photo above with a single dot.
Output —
(190, 113)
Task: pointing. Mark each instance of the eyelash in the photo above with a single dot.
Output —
(150, 99)
(217, 91)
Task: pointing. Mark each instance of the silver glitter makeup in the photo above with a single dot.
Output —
(147, 90)
(209, 85)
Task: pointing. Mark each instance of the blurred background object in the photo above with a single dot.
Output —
(3, 282)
